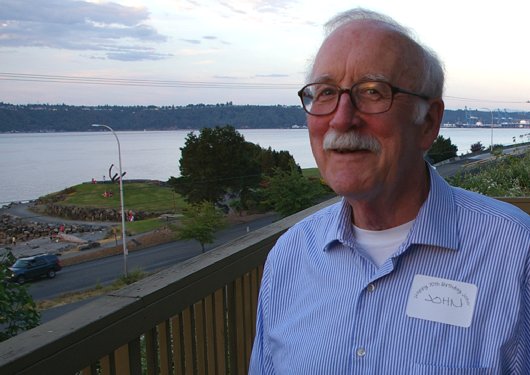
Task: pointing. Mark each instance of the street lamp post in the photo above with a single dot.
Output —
(123, 237)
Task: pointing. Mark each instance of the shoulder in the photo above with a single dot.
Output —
(309, 234)
(487, 209)
(323, 215)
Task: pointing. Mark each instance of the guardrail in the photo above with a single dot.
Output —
(196, 317)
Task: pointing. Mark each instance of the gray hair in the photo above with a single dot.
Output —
(431, 77)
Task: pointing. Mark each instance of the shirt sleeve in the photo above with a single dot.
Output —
(261, 359)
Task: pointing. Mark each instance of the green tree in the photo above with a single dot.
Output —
(477, 147)
(271, 160)
(441, 149)
(215, 162)
(290, 192)
(17, 308)
(200, 222)
(218, 163)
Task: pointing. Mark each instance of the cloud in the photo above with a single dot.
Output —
(251, 6)
(136, 55)
(192, 41)
(79, 25)
(274, 75)
(273, 5)
(196, 52)
(207, 38)
(233, 8)
(227, 77)
(215, 39)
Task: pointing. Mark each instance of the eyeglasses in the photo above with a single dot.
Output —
(371, 97)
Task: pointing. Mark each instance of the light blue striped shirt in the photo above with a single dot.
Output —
(324, 308)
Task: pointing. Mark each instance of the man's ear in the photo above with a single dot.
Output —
(431, 122)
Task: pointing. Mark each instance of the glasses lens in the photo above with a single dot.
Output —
(372, 96)
(319, 98)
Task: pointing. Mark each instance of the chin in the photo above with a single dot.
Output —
(350, 188)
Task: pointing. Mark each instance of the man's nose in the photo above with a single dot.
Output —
(344, 116)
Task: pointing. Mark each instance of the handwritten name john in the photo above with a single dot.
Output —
(445, 301)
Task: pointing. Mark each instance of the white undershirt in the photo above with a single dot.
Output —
(379, 245)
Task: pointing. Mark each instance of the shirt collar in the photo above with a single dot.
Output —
(341, 230)
(436, 223)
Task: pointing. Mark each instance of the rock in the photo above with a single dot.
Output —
(11, 226)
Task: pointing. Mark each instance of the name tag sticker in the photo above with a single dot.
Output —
(442, 300)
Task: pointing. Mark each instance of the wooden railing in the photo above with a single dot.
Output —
(196, 317)
(522, 202)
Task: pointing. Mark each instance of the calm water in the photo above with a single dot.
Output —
(32, 165)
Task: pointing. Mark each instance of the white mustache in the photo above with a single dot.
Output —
(350, 141)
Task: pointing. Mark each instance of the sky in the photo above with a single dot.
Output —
(179, 52)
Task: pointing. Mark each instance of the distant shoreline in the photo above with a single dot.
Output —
(294, 127)
(70, 118)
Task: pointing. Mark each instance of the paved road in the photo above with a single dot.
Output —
(451, 168)
(86, 275)
(104, 271)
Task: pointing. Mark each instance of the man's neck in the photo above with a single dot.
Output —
(391, 209)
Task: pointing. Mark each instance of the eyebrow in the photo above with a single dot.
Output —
(326, 78)
(374, 77)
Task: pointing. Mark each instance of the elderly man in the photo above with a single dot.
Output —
(406, 275)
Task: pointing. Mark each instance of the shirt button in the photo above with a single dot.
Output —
(361, 352)
(371, 287)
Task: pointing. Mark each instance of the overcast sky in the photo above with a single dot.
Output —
(178, 52)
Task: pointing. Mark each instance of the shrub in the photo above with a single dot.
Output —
(477, 147)
(509, 176)
(441, 149)
(18, 311)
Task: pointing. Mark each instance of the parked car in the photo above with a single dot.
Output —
(35, 266)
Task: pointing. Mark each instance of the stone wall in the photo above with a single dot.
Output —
(23, 230)
(91, 214)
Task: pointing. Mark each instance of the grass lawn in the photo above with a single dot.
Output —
(311, 172)
(137, 196)
(146, 225)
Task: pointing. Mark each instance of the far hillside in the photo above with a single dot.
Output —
(67, 118)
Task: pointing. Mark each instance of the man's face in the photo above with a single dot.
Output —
(356, 51)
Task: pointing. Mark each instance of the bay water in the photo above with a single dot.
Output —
(36, 164)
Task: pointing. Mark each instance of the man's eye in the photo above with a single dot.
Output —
(325, 93)
(370, 93)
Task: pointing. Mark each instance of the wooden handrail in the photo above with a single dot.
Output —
(522, 202)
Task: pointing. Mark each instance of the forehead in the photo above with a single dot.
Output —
(366, 49)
